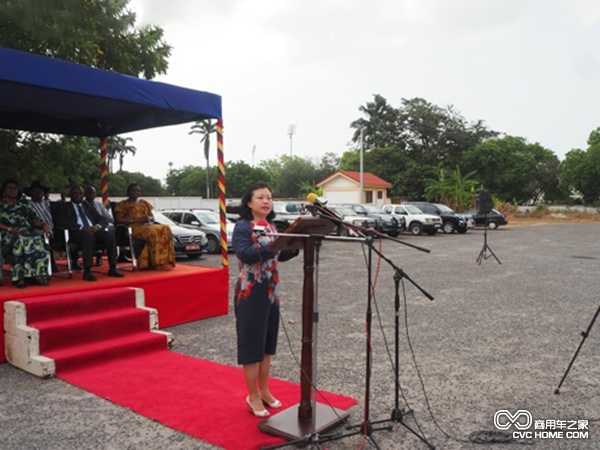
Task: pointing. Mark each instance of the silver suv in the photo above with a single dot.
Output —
(205, 220)
(416, 221)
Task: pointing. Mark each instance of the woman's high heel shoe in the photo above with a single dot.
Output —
(262, 413)
(275, 405)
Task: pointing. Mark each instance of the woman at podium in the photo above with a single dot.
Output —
(257, 295)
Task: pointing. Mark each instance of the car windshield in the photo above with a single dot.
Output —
(444, 208)
(344, 211)
(208, 217)
(373, 209)
(411, 209)
(161, 218)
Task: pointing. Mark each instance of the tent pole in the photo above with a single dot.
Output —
(221, 161)
(104, 173)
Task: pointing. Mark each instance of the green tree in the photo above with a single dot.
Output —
(116, 148)
(239, 176)
(423, 135)
(328, 165)
(452, 188)
(308, 188)
(98, 33)
(580, 169)
(511, 168)
(151, 187)
(205, 128)
(380, 127)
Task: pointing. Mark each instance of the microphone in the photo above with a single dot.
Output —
(260, 228)
(316, 200)
(319, 204)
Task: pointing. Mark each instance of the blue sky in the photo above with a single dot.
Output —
(527, 68)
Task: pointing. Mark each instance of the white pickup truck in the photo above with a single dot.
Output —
(415, 220)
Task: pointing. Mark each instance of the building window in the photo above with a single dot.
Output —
(379, 195)
(368, 196)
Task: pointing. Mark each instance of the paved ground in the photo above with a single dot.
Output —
(496, 337)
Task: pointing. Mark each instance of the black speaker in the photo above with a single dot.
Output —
(484, 201)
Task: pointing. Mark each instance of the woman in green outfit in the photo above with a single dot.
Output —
(28, 255)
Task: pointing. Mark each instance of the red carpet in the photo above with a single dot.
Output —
(101, 341)
(201, 398)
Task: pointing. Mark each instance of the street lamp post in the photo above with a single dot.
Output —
(291, 132)
(361, 199)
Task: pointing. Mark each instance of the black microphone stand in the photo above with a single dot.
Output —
(367, 426)
(585, 334)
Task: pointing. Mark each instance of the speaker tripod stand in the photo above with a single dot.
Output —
(483, 254)
(585, 334)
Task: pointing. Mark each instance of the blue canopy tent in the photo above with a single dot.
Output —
(47, 95)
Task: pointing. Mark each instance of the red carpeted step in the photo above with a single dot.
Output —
(70, 331)
(78, 303)
(86, 355)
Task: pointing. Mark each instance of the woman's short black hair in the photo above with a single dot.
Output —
(6, 183)
(131, 185)
(245, 211)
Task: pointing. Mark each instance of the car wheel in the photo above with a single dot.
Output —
(448, 227)
(416, 229)
(194, 255)
(394, 234)
(492, 225)
(461, 230)
(213, 245)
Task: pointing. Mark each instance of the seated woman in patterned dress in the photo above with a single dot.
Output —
(29, 257)
(158, 252)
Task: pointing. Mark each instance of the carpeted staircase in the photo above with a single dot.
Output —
(55, 333)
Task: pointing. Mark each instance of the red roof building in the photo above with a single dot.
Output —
(344, 187)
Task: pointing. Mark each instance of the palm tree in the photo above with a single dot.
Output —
(205, 128)
(116, 147)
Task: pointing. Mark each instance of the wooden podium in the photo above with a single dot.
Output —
(303, 419)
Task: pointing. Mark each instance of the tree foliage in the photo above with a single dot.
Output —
(580, 171)
(513, 169)
(98, 33)
(408, 143)
(205, 128)
(452, 188)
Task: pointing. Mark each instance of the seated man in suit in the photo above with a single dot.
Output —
(87, 228)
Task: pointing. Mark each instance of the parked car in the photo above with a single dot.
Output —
(285, 213)
(348, 215)
(416, 220)
(205, 220)
(385, 223)
(451, 221)
(190, 243)
(494, 218)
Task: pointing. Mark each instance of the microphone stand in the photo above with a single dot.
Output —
(367, 426)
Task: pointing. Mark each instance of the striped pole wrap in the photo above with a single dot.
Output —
(221, 159)
(104, 173)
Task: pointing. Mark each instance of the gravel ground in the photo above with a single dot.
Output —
(496, 337)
